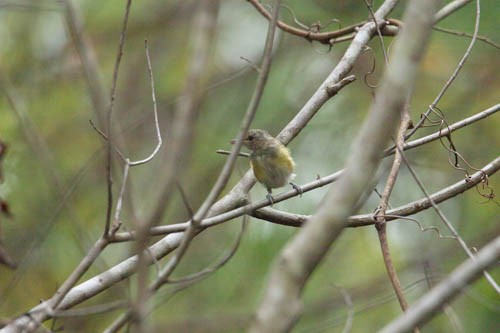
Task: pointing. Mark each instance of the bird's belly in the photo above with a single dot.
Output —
(272, 172)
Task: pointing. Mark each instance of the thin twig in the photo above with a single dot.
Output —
(429, 304)
(119, 201)
(105, 137)
(350, 310)
(449, 129)
(36, 316)
(185, 200)
(92, 310)
(187, 108)
(379, 32)
(281, 305)
(296, 220)
(90, 67)
(322, 37)
(109, 154)
(228, 166)
(205, 272)
(194, 225)
(384, 202)
(447, 309)
(128, 164)
(227, 152)
(485, 39)
(448, 224)
(459, 67)
(155, 113)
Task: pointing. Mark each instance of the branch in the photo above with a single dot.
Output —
(389, 27)
(236, 196)
(90, 67)
(123, 270)
(297, 220)
(281, 306)
(109, 147)
(459, 67)
(448, 224)
(382, 208)
(229, 165)
(155, 113)
(322, 37)
(484, 39)
(180, 139)
(450, 129)
(428, 305)
(450, 8)
(220, 184)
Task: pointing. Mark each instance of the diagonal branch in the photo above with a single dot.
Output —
(109, 146)
(220, 184)
(281, 305)
(322, 37)
(296, 220)
(448, 224)
(428, 305)
(458, 68)
(381, 212)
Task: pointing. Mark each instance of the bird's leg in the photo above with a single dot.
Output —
(269, 196)
(297, 188)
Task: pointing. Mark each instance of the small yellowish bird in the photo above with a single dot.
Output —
(270, 160)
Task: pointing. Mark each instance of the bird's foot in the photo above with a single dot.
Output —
(297, 188)
(269, 197)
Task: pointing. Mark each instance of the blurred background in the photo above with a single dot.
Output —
(54, 169)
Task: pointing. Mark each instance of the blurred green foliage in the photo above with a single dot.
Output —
(38, 58)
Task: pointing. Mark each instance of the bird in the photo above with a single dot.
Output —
(271, 162)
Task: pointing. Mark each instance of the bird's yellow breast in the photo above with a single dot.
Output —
(272, 167)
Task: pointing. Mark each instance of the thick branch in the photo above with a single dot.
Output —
(281, 304)
(428, 306)
(296, 220)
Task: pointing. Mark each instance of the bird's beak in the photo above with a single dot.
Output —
(233, 141)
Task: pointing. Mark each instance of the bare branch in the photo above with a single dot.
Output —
(296, 220)
(281, 306)
(323, 37)
(90, 67)
(450, 8)
(109, 149)
(117, 273)
(228, 166)
(207, 271)
(155, 113)
(450, 129)
(237, 197)
(429, 304)
(468, 35)
(179, 142)
(226, 152)
(448, 224)
(334, 88)
(350, 310)
(382, 208)
(459, 67)
(223, 178)
(180, 139)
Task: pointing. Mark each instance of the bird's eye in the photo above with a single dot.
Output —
(250, 137)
